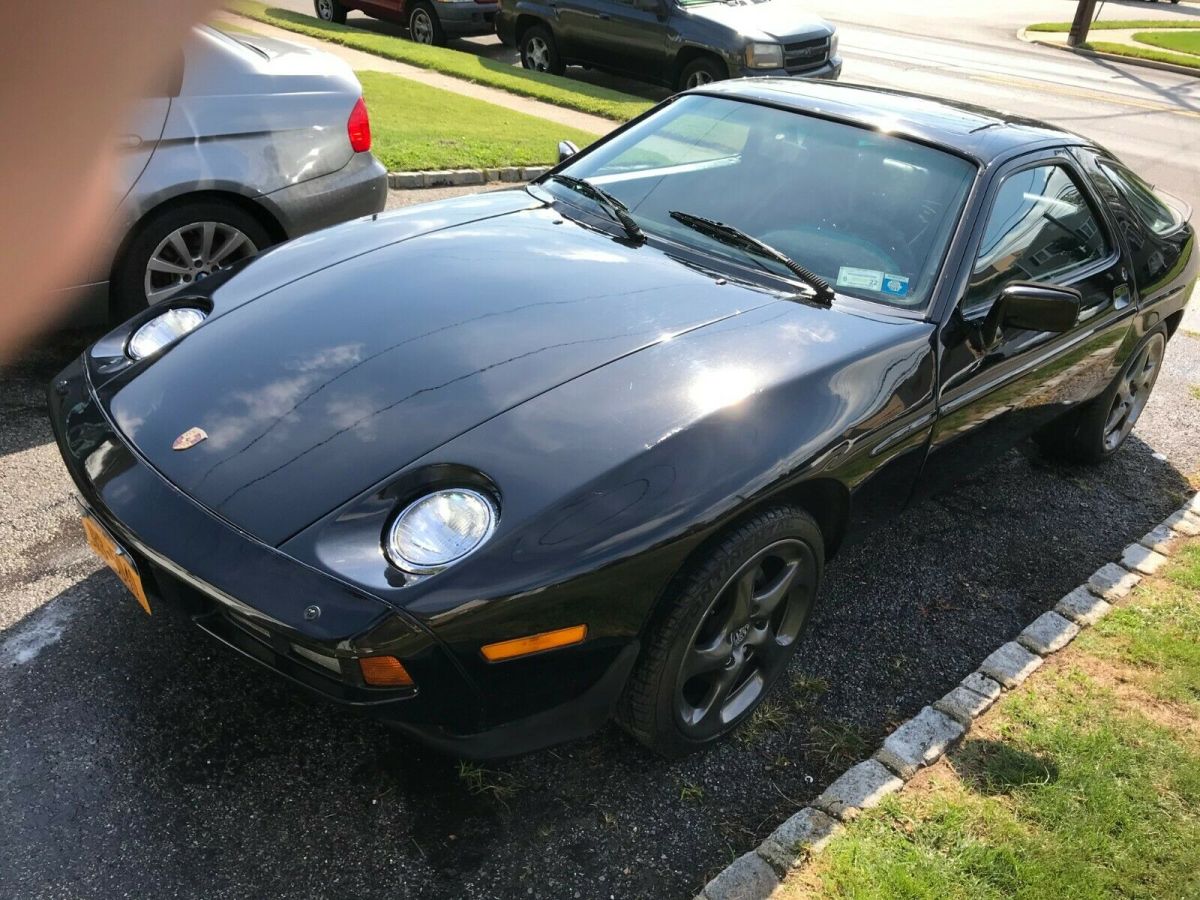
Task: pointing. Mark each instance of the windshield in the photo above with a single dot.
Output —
(869, 213)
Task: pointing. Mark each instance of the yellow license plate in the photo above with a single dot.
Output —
(116, 558)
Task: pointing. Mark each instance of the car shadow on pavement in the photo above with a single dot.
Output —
(167, 765)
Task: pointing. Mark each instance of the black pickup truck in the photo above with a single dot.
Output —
(678, 43)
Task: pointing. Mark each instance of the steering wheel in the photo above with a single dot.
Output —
(887, 238)
(827, 249)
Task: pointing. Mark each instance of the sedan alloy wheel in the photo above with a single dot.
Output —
(192, 253)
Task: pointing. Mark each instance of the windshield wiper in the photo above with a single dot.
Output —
(735, 237)
(611, 204)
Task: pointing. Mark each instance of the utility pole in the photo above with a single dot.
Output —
(1083, 21)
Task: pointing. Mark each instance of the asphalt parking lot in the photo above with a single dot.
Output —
(139, 759)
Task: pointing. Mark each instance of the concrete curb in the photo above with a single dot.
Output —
(925, 738)
(402, 181)
(1024, 35)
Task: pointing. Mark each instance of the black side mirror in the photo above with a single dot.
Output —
(566, 149)
(1034, 307)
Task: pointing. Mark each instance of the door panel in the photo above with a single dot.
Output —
(622, 35)
(137, 137)
(1043, 225)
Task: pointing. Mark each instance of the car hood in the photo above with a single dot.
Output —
(327, 383)
(775, 19)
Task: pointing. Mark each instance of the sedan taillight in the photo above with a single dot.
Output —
(359, 128)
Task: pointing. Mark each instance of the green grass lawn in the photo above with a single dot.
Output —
(414, 126)
(1118, 24)
(1084, 782)
(1183, 41)
(1166, 56)
(538, 85)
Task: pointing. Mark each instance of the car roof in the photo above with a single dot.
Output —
(982, 134)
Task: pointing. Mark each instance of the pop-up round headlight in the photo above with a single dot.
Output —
(439, 529)
(163, 330)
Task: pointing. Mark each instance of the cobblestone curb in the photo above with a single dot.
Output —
(924, 738)
(403, 181)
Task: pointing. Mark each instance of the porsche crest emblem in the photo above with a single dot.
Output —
(189, 439)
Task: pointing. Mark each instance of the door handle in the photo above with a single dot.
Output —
(603, 17)
(1120, 296)
(128, 142)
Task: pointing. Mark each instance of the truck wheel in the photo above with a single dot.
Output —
(733, 620)
(700, 71)
(424, 27)
(539, 50)
(1097, 429)
(330, 11)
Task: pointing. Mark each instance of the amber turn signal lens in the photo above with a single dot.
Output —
(535, 643)
(384, 671)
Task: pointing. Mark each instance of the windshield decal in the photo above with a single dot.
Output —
(896, 285)
(865, 279)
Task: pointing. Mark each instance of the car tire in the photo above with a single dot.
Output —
(424, 27)
(1097, 429)
(730, 623)
(701, 71)
(134, 282)
(539, 50)
(330, 11)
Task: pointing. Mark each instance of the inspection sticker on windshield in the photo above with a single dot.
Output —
(896, 285)
(867, 279)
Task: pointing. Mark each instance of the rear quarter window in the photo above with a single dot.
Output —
(1159, 216)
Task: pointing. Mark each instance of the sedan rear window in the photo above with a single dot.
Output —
(869, 212)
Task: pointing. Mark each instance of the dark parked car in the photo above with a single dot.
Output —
(680, 43)
(428, 21)
(499, 467)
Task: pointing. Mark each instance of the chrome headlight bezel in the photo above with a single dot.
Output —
(403, 560)
(764, 55)
(177, 321)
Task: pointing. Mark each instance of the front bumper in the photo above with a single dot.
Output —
(467, 18)
(830, 71)
(253, 598)
(357, 189)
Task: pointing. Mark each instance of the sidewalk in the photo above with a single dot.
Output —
(361, 61)
(1107, 43)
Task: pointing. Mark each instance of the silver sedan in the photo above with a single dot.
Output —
(246, 142)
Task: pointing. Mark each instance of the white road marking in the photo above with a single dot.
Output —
(41, 630)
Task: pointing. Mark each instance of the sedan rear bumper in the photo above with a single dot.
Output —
(357, 189)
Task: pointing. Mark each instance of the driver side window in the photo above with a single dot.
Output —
(1040, 228)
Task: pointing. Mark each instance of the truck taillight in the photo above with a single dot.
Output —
(359, 128)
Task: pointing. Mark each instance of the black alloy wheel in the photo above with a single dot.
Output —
(729, 626)
(744, 640)
(1099, 428)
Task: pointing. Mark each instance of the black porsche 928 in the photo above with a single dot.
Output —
(501, 467)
